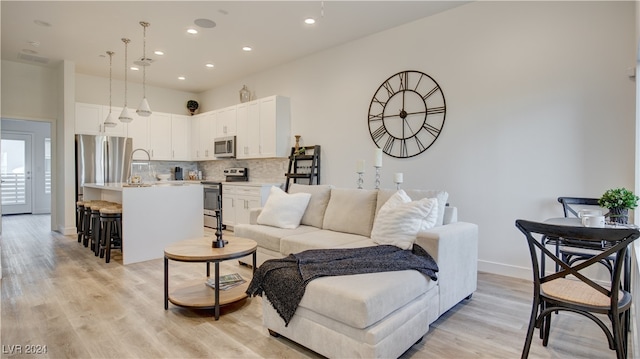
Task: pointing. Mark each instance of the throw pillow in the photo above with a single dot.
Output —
(416, 194)
(283, 210)
(320, 194)
(350, 211)
(400, 219)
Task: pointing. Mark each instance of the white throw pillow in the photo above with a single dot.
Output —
(400, 219)
(283, 210)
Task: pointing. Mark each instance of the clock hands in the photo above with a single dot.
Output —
(403, 114)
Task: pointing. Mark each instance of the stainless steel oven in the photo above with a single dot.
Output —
(212, 202)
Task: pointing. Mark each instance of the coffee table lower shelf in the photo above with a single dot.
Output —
(196, 294)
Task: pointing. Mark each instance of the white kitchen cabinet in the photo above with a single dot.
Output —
(202, 134)
(138, 131)
(264, 128)
(226, 121)
(248, 130)
(194, 147)
(237, 200)
(180, 135)
(160, 136)
(90, 120)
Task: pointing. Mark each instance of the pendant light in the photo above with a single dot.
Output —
(144, 109)
(125, 116)
(109, 122)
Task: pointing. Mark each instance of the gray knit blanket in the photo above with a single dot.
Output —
(284, 280)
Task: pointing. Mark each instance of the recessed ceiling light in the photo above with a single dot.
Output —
(34, 43)
(205, 23)
(192, 31)
(133, 68)
(181, 78)
(42, 23)
(246, 48)
(158, 52)
(310, 21)
(209, 66)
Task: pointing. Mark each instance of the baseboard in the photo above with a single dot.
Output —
(67, 231)
(505, 269)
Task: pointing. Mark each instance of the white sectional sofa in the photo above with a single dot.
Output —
(377, 315)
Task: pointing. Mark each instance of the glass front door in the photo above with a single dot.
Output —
(15, 170)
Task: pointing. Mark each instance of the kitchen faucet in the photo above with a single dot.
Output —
(131, 162)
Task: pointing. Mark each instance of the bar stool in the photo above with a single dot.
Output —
(80, 219)
(86, 221)
(94, 219)
(111, 227)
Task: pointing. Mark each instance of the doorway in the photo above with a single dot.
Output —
(16, 173)
(25, 167)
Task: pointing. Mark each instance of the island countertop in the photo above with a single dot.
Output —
(153, 216)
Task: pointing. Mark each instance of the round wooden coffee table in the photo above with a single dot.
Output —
(196, 294)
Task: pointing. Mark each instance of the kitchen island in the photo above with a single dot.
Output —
(153, 216)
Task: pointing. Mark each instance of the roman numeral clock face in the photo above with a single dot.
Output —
(406, 114)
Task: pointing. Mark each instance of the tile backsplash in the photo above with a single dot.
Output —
(269, 170)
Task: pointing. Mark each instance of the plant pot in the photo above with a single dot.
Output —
(619, 215)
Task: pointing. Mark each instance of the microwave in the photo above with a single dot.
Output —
(224, 147)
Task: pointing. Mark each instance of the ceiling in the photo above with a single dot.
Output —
(83, 31)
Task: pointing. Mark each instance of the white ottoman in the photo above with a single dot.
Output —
(376, 315)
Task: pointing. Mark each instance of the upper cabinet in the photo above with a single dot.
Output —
(90, 120)
(203, 131)
(138, 130)
(226, 121)
(160, 136)
(180, 135)
(264, 128)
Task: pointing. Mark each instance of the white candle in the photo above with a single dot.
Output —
(398, 178)
(360, 166)
(378, 158)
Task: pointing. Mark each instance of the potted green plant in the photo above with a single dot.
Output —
(619, 201)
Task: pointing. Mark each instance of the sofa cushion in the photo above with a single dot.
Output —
(283, 210)
(321, 239)
(400, 219)
(268, 237)
(320, 194)
(416, 194)
(350, 211)
(361, 300)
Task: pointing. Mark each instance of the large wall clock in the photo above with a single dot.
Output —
(406, 114)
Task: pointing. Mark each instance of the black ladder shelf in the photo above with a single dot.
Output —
(305, 166)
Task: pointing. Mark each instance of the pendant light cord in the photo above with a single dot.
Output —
(144, 58)
(126, 43)
(110, 67)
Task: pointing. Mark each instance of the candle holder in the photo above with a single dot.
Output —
(377, 176)
(219, 242)
(360, 179)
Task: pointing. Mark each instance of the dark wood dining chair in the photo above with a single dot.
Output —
(568, 289)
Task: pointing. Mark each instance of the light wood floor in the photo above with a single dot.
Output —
(56, 293)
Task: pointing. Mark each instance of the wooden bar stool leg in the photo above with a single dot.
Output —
(80, 222)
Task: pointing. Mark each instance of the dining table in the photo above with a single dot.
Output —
(588, 246)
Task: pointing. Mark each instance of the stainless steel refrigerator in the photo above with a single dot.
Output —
(101, 159)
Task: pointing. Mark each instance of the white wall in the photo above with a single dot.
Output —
(539, 105)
